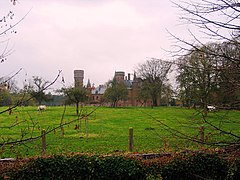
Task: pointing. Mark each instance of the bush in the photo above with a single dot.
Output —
(174, 166)
(195, 166)
(118, 167)
(81, 167)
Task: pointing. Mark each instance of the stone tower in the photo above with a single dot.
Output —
(119, 75)
(78, 78)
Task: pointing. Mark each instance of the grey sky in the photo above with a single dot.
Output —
(98, 36)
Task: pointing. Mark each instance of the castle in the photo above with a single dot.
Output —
(96, 93)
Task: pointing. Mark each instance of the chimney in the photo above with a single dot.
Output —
(129, 76)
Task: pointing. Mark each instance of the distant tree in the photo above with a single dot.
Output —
(142, 93)
(22, 98)
(7, 88)
(36, 88)
(7, 27)
(228, 86)
(217, 20)
(154, 74)
(205, 78)
(10, 83)
(205, 73)
(197, 78)
(5, 98)
(75, 95)
(168, 95)
(115, 92)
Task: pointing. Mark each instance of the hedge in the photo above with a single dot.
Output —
(176, 166)
(81, 167)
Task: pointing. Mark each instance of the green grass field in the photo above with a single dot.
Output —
(107, 130)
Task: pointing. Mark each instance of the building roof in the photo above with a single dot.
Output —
(128, 83)
(99, 90)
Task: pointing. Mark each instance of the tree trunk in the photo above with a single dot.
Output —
(114, 104)
(154, 101)
(77, 108)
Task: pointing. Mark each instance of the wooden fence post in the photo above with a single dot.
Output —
(44, 145)
(3, 148)
(130, 139)
(62, 131)
(11, 148)
(86, 124)
(201, 130)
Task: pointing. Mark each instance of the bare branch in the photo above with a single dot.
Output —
(20, 102)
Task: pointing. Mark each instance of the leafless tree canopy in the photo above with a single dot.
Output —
(154, 74)
(208, 79)
(218, 20)
(210, 72)
(213, 15)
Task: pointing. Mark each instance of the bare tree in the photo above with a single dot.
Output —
(209, 72)
(7, 26)
(36, 88)
(218, 20)
(154, 74)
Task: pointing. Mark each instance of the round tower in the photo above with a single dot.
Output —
(78, 78)
(119, 75)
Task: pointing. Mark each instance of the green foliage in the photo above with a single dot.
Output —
(118, 167)
(115, 92)
(209, 78)
(81, 167)
(167, 97)
(23, 99)
(195, 166)
(142, 93)
(234, 169)
(75, 95)
(192, 165)
(5, 98)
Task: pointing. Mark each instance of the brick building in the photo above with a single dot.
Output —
(132, 83)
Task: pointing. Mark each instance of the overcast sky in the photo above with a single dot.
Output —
(97, 36)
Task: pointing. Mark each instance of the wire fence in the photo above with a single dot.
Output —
(98, 133)
(84, 140)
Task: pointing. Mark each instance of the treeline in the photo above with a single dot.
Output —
(206, 75)
(210, 75)
(33, 93)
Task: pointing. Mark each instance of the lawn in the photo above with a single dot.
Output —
(105, 131)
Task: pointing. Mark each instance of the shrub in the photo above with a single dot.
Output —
(194, 166)
(81, 167)
(118, 167)
(174, 166)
